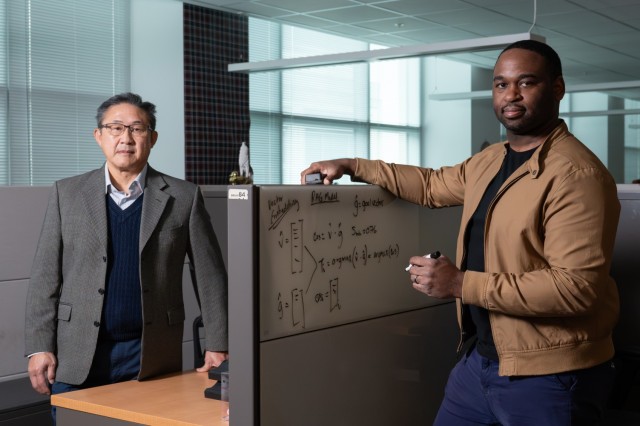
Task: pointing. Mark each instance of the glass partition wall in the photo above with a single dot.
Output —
(386, 109)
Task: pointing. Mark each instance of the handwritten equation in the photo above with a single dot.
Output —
(326, 252)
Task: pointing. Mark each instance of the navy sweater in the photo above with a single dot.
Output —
(122, 309)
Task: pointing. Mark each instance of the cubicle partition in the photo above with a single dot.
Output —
(21, 214)
(325, 327)
(625, 269)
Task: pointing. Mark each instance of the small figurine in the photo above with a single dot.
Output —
(245, 175)
(246, 172)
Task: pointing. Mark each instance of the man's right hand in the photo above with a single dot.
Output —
(42, 371)
(331, 169)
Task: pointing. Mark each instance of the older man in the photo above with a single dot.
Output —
(105, 297)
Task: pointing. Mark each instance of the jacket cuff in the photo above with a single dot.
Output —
(474, 288)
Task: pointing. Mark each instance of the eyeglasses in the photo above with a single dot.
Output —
(116, 129)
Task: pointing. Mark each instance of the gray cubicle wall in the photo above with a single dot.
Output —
(215, 200)
(22, 211)
(625, 269)
(374, 364)
(21, 214)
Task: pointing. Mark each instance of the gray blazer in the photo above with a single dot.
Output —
(65, 295)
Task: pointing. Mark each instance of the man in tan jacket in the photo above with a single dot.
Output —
(536, 304)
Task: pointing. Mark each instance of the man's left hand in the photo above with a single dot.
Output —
(212, 360)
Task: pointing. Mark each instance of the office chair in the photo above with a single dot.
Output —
(198, 353)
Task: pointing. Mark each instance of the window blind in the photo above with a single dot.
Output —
(60, 60)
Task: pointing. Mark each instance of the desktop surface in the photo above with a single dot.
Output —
(176, 399)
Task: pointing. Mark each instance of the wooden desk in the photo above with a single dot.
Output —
(177, 399)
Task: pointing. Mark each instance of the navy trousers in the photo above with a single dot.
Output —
(476, 395)
(113, 362)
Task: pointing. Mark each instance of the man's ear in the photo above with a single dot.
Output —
(154, 138)
(559, 88)
(96, 135)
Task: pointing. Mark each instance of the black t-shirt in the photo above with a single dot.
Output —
(475, 247)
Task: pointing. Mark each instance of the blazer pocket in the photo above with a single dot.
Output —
(175, 316)
(64, 312)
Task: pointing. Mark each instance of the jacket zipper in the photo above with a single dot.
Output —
(510, 182)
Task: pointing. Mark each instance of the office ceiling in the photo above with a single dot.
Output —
(598, 40)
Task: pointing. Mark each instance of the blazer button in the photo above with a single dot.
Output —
(96, 323)
(104, 258)
(101, 290)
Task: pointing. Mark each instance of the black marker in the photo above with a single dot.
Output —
(434, 255)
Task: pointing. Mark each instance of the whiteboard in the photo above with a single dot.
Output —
(331, 255)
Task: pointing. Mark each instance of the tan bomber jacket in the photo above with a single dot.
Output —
(549, 238)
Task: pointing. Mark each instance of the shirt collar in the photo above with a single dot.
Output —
(136, 185)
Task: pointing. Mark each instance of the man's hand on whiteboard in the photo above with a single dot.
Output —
(330, 169)
(436, 277)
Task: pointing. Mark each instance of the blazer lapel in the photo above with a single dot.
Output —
(93, 194)
(153, 204)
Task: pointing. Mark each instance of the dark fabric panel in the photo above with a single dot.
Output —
(216, 101)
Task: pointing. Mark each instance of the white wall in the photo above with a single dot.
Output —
(157, 75)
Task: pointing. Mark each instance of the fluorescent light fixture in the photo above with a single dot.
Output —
(469, 45)
(576, 88)
(460, 96)
(600, 113)
(603, 87)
